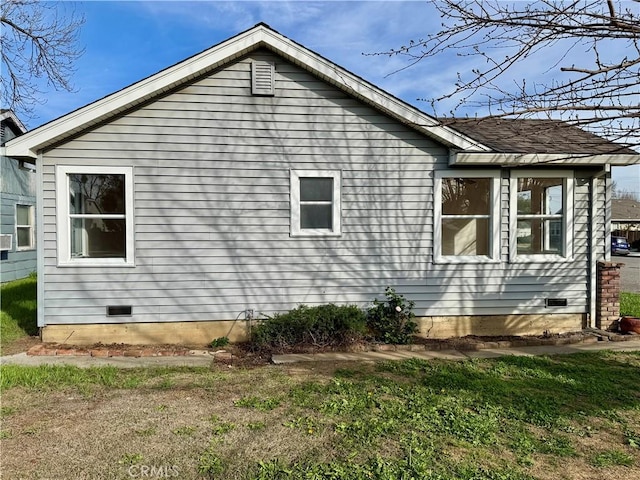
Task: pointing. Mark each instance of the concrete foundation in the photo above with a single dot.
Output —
(160, 333)
(499, 325)
(202, 333)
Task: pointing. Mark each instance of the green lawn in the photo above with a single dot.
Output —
(18, 313)
(512, 418)
(630, 304)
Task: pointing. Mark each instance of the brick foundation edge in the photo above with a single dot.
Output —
(608, 295)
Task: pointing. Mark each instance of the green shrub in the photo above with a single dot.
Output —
(324, 325)
(391, 320)
(219, 342)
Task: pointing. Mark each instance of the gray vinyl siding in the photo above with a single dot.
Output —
(211, 185)
(17, 188)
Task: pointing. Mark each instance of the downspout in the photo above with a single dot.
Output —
(40, 241)
(593, 197)
(607, 213)
(594, 187)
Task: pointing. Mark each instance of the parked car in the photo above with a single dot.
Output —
(619, 246)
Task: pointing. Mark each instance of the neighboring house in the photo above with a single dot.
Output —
(257, 176)
(17, 207)
(625, 218)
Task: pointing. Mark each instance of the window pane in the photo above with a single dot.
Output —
(466, 196)
(540, 236)
(540, 196)
(465, 236)
(24, 237)
(98, 238)
(96, 194)
(316, 216)
(316, 189)
(23, 214)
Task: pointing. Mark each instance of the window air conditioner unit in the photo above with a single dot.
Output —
(6, 241)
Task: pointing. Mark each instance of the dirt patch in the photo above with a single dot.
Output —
(467, 343)
(20, 345)
(104, 434)
(474, 342)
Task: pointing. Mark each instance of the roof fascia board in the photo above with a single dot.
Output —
(28, 145)
(542, 159)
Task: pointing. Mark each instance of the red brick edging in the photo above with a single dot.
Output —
(463, 343)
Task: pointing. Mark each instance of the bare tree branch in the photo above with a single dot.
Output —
(598, 90)
(38, 42)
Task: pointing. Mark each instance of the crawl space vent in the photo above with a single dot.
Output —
(556, 302)
(263, 78)
(119, 311)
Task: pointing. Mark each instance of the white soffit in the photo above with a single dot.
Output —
(531, 159)
(28, 145)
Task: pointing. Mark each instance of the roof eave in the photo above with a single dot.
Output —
(30, 144)
(498, 159)
(11, 117)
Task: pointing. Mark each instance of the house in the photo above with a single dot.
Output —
(257, 175)
(625, 218)
(17, 206)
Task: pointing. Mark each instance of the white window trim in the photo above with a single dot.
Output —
(295, 229)
(64, 225)
(31, 227)
(567, 206)
(495, 238)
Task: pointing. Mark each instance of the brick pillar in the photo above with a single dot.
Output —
(608, 295)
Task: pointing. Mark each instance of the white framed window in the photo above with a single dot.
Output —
(315, 202)
(467, 216)
(541, 216)
(95, 215)
(24, 227)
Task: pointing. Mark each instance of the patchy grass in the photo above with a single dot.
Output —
(18, 312)
(59, 377)
(575, 416)
(630, 304)
(612, 457)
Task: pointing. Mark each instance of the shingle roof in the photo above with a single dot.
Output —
(625, 209)
(507, 135)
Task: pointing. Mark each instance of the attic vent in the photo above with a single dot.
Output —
(263, 78)
(6, 241)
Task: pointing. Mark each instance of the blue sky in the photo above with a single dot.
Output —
(126, 41)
